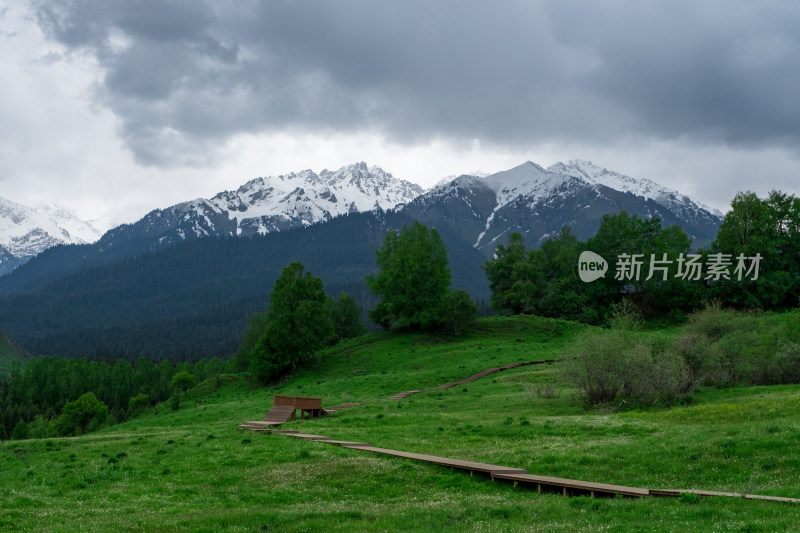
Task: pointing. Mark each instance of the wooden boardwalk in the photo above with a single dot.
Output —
(519, 476)
(565, 486)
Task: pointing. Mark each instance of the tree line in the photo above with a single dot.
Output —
(753, 263)
(50, 395)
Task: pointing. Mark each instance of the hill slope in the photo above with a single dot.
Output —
(192, 470)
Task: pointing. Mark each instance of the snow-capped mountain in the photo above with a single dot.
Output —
(265, 205)
(25, 231)
(638, 186)
(538, 202)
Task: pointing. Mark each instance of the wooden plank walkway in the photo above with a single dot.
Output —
(565, 486)
(469, 466)
(570, 487)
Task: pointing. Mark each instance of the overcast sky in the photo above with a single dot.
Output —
(124, 106)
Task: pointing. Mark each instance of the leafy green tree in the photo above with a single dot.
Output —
(565, 294)
(298, 324)
(138, 404)
(458, 312)
(625, 234)
(182, 381)
(346, 317)
(771, 229)
(79, 413)
(413, 280)
(515, 279)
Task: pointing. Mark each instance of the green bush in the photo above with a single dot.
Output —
(714, 322)
(138, 404)
(458, 312)
(725, 348)
(595, 365)
(612, 365)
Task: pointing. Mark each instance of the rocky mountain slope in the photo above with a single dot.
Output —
(538, 202)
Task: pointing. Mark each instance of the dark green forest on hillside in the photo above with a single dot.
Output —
(193, 300)
(32, 397)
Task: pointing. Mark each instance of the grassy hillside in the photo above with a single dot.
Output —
(9, 352)
(192, 470)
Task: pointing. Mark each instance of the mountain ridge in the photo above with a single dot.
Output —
(26, 231)
(182, 282)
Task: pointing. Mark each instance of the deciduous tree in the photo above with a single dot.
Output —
(79, 413)
(413, 278)
(298, 324)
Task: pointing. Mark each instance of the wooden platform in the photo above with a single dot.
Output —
(275, 417)
(570, 487)
(284, 408)
(564, 486)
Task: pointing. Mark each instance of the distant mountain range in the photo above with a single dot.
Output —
(535, 201)
(141, 287)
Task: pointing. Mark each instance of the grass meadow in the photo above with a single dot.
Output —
(193, 470)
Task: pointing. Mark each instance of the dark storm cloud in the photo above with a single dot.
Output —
(183, 76)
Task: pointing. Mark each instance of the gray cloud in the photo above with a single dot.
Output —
(184, 76)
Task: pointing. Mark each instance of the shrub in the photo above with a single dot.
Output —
(714, 322)
(596, 364)
(788, 361)
(612, 365)
(726, 348)
(138, 404)
(541, 390)
(458, 312)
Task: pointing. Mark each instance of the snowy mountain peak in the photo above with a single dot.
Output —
(595, 174)
(638, 186)
(527, 179)
(27, 231)
(276, 203)
(313, 197)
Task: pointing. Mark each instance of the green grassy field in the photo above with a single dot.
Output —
(192, 470)
(9, 353)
